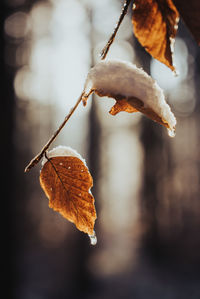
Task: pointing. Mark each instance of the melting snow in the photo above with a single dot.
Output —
(117, 77)
(62, 151)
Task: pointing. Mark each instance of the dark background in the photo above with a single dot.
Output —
(154, 254)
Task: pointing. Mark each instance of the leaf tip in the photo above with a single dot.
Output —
(114, 110)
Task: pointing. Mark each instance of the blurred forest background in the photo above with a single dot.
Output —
(146, 185)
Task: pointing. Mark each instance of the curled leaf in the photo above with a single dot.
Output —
(66, 181)
(155, 23)
(132, 88)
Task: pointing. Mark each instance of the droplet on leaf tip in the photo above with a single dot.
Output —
(93, 238)
(176, 73)
(171, 132)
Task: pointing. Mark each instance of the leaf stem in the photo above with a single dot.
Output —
(38, 157)
(105, 50)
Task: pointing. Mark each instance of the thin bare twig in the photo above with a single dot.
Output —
(37, 158)
(105, 50)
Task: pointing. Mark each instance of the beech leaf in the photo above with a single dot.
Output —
(132, 88)
(66, 182)
(155, 23)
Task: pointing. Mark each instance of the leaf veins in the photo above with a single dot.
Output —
(66, 181)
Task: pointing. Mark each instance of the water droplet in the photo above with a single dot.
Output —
(81, 170)
(175, 73)
(93, 239)
(69, 167)
(171, 132)
(61, 163)
(79, 194)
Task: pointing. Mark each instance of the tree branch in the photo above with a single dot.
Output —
(105, 50)
(37, 158)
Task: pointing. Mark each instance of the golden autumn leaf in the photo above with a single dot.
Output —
(155, 23)
(190, 13)
(131, 105)
(66, 181)
(132, 88)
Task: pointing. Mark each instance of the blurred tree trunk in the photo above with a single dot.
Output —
(151, 138)
(170, 200)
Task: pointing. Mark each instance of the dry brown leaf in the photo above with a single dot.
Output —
(132, 88)
(131, 105)
(190, 12)
(155, 24)
(66, 181)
